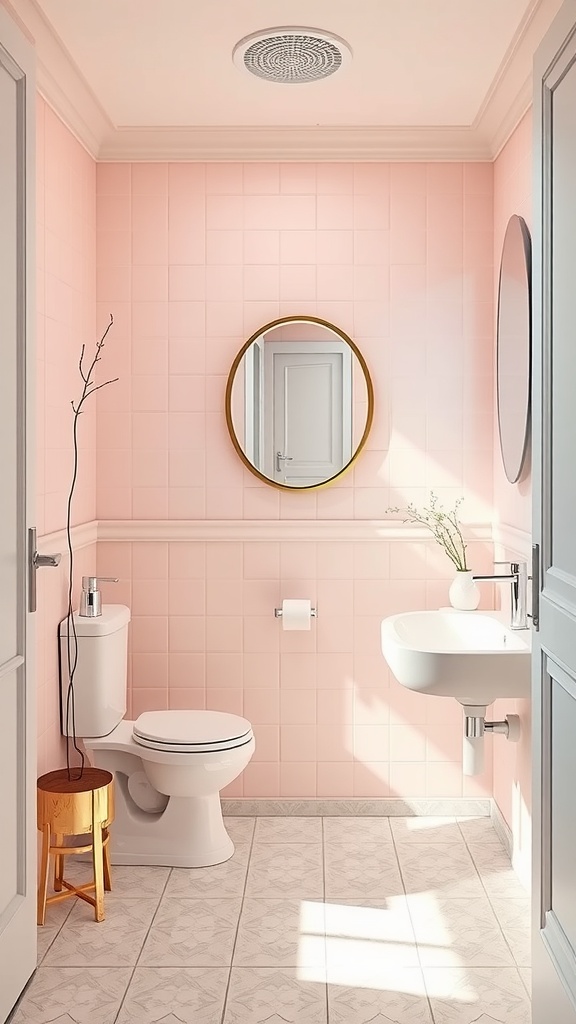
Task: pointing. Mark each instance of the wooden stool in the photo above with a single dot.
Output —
(74, 807)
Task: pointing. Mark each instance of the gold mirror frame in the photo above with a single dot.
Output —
(369, 390)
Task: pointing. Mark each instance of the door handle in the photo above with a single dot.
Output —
(535, 586)
(281, 458)
(37, 561)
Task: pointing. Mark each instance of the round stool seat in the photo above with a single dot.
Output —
(74, 807)
(72, 817)
(191, 732)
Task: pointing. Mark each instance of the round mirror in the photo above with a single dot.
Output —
(299, 402)
(514, 347)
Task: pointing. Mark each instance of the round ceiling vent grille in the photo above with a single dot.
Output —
(291, 55)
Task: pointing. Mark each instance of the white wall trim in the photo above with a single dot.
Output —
(513, 540)
(270, 530)
(67, 92)
(389, 807)
(502, 828)
(170, 530)
(83, 536)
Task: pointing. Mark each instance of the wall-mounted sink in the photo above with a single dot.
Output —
(472, 656)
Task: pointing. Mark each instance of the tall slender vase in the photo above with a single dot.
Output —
(464, 593)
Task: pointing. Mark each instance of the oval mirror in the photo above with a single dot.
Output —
(299, 402)
(513, 357)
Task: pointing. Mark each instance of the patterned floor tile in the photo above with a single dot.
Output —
(426, 830)
(526, 975)
(192, 995)
(114, 942)
(56, 916)
(365, 938)
(286, 869)
(240, 829)
(365, 871)
(514, 918)
(396, 997)
(128, 881)
(77, 994)
(192, 933)
(281, 933)
(438, 867)
(226, 879)
(457, 933)
(477, 995)
(495, 870)
(288, 830)
(357, 830)
(479, 830)
(466, 916)
(273, 995)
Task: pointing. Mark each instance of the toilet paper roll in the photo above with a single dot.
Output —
(296, 614)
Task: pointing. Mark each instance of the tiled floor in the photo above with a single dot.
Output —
(313, 921)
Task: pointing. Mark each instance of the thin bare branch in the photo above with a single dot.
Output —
(443, 526)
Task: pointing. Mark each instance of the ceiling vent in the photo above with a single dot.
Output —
(292, 55)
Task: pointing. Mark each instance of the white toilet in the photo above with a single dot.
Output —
(169, 765)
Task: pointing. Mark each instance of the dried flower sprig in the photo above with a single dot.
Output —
(89, 388)
(444, 527)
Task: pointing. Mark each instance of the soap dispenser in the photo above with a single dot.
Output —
(91, 598)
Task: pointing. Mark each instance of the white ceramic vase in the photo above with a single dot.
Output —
(464, 593)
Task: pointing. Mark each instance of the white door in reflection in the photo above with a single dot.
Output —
(307, 435)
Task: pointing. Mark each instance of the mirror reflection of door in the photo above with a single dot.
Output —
(307, 435)
(299, 402)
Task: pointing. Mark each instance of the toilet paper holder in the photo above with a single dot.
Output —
(278, 613)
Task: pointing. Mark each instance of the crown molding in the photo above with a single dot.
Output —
(60, 82)
(510, 95)
(349, 143)
(67, 92)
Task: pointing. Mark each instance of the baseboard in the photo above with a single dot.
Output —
(502, 828)
(382, 807)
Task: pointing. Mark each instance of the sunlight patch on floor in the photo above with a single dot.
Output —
(371, 947)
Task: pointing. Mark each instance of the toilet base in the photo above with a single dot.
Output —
(188, 833)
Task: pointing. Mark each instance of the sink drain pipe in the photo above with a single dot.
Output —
(475, 727)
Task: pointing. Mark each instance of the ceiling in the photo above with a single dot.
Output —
(153, 75)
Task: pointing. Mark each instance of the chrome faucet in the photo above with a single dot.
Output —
(518, 579)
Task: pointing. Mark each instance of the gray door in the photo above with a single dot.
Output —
(308, 410)
(17, 696)
(554, 667)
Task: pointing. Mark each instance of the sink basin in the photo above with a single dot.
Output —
(472, 656)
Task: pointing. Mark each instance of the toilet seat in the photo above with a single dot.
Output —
(191, 732)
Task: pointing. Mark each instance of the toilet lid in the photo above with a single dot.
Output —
(191, 731)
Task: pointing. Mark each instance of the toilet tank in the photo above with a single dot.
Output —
(100, 678)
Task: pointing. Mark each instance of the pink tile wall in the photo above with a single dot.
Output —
(66, 304)
(328, 717)
(512, 194)
(191, 260)
(512, 503)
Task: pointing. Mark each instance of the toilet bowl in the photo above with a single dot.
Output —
(169, 766)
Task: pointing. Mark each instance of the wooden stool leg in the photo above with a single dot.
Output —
(98, 863)
(44, 866)
(58, 865)
(107, 871)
